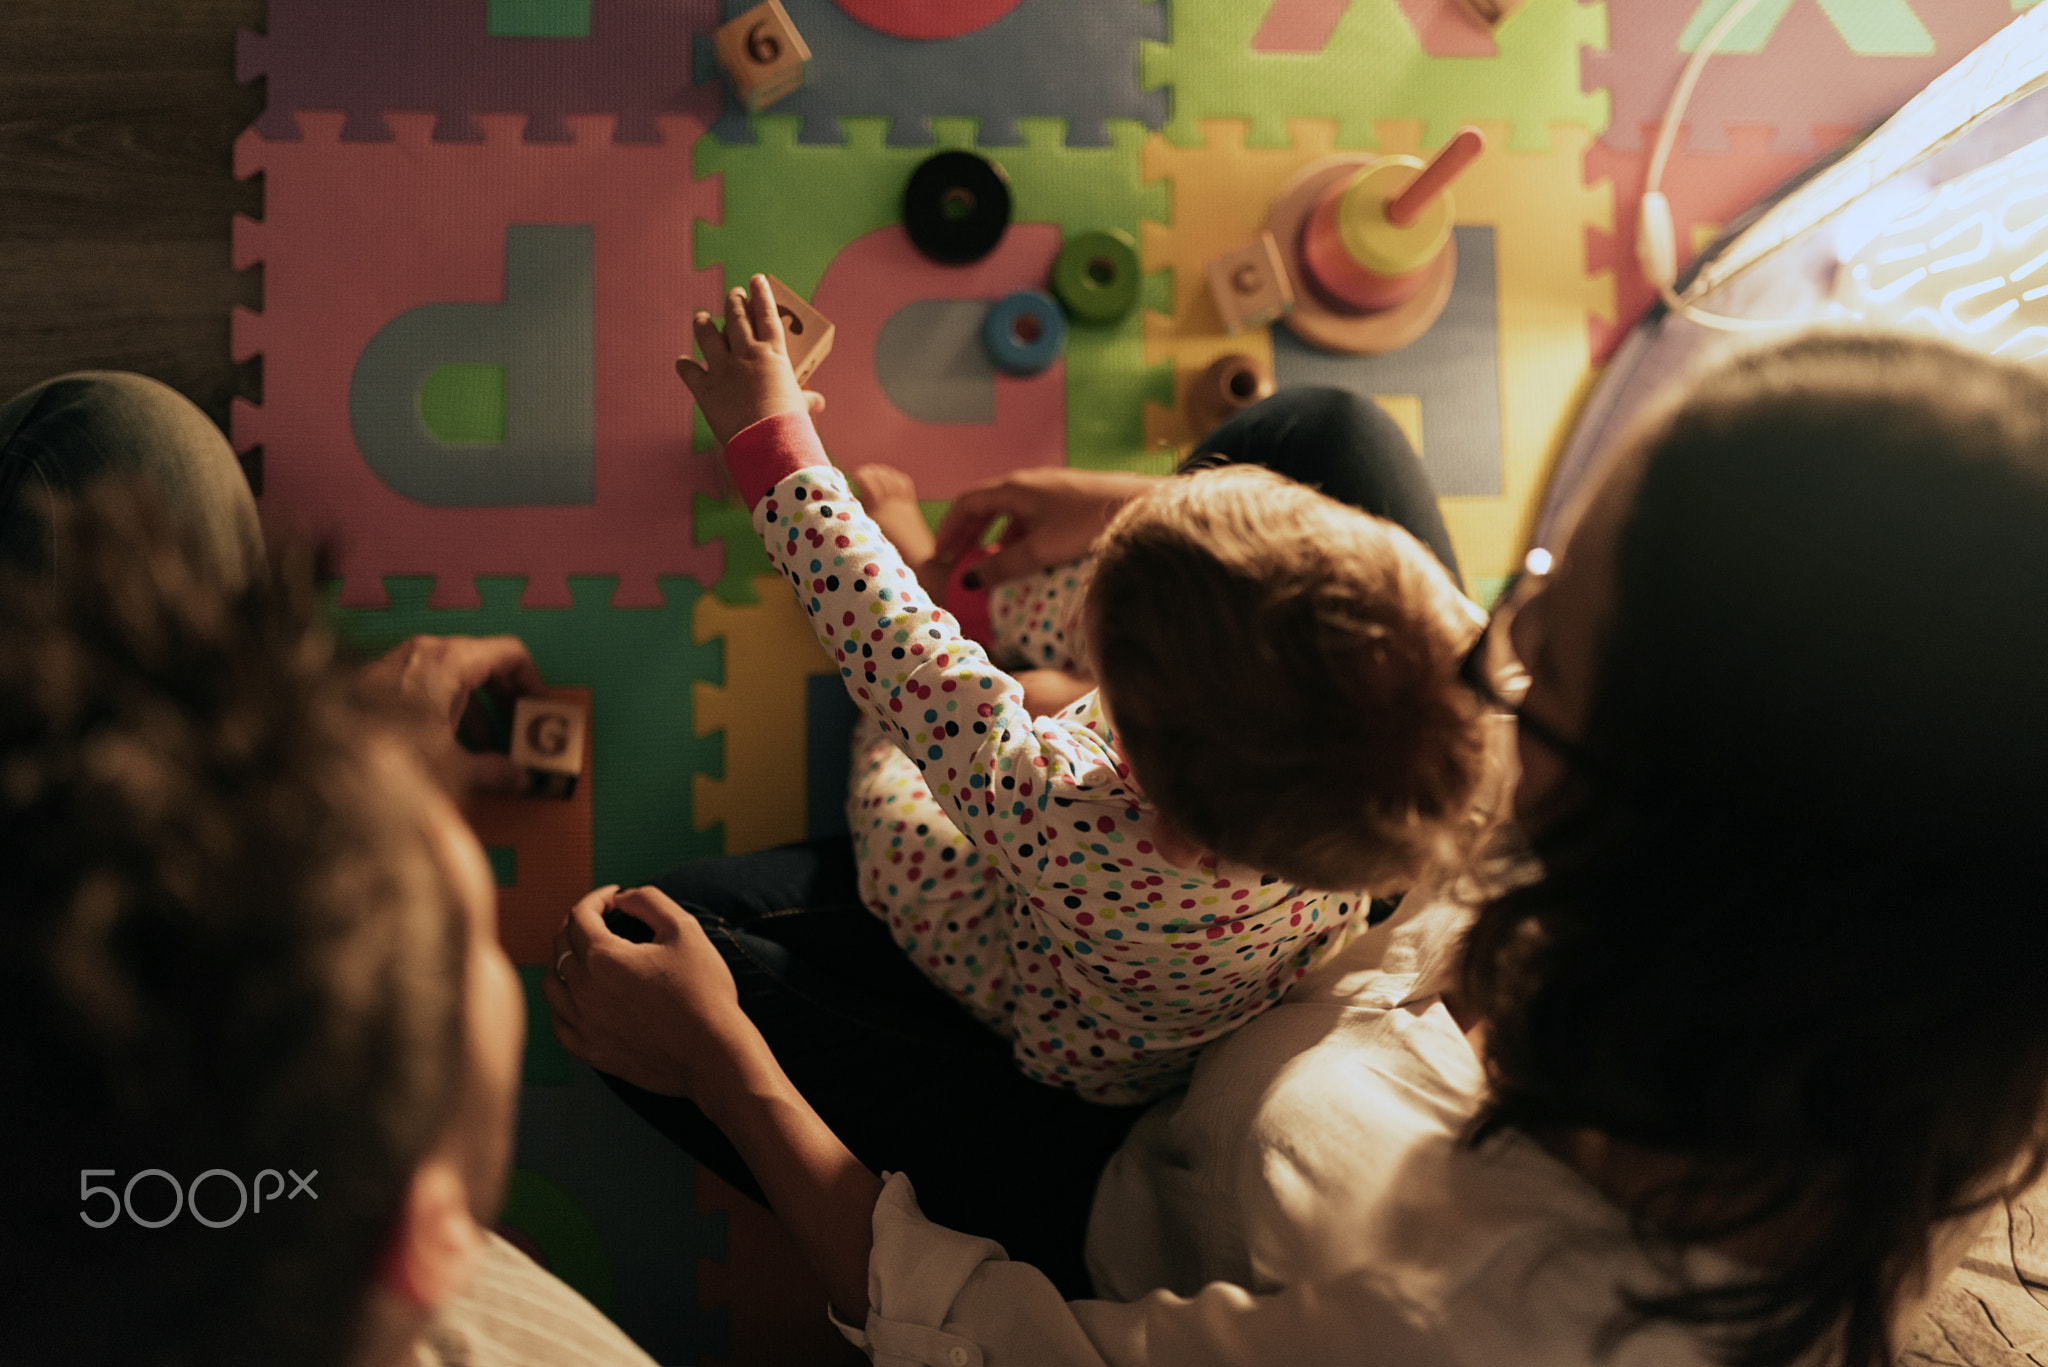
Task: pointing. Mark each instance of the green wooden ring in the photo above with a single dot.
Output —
(1096, 276)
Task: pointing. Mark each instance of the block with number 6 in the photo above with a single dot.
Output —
(762, 55)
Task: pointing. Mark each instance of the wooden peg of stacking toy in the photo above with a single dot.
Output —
(1460, 152)
(1372, 238)
(1250, 285)
(548, 737)
(761, 54)
(807, 331)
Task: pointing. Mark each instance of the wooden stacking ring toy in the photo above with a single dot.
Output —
(1096, 276)
(1368, 242)
(1024, 332)
(956, 207)
(1229, 385)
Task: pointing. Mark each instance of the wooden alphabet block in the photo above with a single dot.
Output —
(548, 738)
(762, 55)
(808, 331)
(1250, 285)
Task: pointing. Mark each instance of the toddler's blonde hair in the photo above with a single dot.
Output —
(1282, 673)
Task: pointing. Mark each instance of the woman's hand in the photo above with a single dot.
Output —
(663, 1015)
(1055, 515)
(437, 677)
(745, 375)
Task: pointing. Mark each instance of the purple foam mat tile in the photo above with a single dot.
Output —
(1853, 67)
(1071, 59)
(366, 57)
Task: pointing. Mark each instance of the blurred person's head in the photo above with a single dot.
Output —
(1784, 754)
(244, 941)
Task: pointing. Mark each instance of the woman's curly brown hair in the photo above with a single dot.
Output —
(1791, 933)
(224, 944)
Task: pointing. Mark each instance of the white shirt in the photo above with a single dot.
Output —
(1308, 1200)
(516, 1314)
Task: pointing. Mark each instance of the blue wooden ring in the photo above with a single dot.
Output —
(1023, 333)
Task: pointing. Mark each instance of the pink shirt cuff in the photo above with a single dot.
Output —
(770, 451)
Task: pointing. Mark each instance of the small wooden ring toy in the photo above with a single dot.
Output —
(1231, 384)
(1023, 333)
(956, 207)
(1096, 276)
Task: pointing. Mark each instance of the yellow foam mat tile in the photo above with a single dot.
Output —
(770, 653)
(1540, 209)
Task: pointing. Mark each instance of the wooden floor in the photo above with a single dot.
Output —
(117, 119)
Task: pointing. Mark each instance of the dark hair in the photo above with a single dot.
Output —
(1282, 671)
(224, 944)
(1793, 928)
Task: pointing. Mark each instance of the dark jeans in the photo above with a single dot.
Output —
(905, 1077)
(1343, 445)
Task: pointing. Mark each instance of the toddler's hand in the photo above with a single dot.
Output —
(1055, 515)
(745, 375)
(1047, 691)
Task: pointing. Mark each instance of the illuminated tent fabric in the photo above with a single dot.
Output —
(1936, 222)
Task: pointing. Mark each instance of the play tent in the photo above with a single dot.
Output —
(1936, 222)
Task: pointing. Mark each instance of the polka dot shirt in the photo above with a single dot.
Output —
(1036, 619)
(1014, 858)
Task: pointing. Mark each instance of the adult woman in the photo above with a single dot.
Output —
(905, 1077)
(1722, 1074)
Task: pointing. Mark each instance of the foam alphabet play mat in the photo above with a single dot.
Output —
(487, 224)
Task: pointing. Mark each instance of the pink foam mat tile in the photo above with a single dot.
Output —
(368, 245)
(1445, 28)
(1706, 190)
(632, 59)
(866, 284)
(1819, 66)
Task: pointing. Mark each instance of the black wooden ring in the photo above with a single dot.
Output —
(956, 207)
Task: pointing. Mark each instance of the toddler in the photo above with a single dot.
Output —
(1278, 733)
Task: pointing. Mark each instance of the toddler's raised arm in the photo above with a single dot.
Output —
(960, 719)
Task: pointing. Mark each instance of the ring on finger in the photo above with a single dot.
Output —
(559, 961)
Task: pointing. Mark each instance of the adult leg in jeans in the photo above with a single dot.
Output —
(1332, 440)
(69, 434)
(905, 1077)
